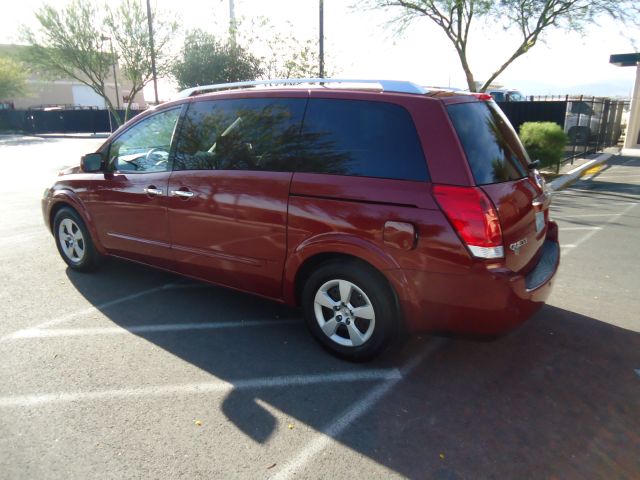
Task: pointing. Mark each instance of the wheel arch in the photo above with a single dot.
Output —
(300, 266)
(68, 199)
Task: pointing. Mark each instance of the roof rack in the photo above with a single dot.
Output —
(397, 86)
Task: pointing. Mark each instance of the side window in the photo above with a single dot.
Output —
(361, 138)
(243, 134)
(145, 146)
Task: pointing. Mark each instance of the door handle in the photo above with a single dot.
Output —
(182, 193)
(153, 191)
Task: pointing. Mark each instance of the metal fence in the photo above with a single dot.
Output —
(60, 120)
(591, 123)
(522, 112)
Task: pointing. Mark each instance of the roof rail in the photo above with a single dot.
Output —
(397, 86)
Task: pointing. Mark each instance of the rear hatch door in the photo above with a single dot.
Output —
(499, 164)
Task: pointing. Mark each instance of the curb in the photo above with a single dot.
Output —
(573, 175)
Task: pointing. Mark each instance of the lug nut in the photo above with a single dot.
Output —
(339, 318)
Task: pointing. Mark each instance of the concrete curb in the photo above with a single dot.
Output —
(573, 175)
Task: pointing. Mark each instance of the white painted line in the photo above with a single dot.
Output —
(89, 310)
(593, 232)
(571, 229)
(167, 327)
(349, 416)
(21, 237)
(569, 216)
(604, 177)
(568, 245)
(579, 204)
(389, 375)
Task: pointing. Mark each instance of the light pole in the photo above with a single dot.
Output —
(115, 79)
(153, 53)
(321, 19)
(232, 22)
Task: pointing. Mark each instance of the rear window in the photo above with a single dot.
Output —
(493, 149)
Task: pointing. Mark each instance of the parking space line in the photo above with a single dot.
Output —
(570, 216)
(571, 229)
(167, 327)
(593, 232)
(604, 177)
(351, 414)
(387, 375)
(88, 311)
(20, 237)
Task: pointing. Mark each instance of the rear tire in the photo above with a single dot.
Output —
(349, 309)
(74, 241)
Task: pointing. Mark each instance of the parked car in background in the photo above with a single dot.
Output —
(378, 209)
(506, 95)
(582, 121)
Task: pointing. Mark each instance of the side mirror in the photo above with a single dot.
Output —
(91, 162)
(535, 165)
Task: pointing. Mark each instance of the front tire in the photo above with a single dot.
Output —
(74, 241)
(349, 309)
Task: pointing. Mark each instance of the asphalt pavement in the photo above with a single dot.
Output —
(131, 372)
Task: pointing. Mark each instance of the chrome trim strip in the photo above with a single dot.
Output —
(139, 240)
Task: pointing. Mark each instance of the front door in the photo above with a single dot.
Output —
(129, 204)
(229, 191)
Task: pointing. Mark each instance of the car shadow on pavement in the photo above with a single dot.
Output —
(557, 398)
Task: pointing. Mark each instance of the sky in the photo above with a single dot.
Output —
(360, 44)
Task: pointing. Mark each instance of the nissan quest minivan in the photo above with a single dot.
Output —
(377, 207)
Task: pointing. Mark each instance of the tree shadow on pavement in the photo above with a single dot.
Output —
(557, 398)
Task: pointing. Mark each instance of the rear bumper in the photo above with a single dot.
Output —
(483, 302)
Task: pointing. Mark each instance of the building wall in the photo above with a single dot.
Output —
(60, 92)
(42, 91)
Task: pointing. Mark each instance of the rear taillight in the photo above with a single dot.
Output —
(474, 218)
(482, 96)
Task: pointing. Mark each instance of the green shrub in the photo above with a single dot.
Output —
(544, 141)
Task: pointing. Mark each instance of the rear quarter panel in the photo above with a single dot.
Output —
(335, 214)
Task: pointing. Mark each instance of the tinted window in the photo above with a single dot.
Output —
(581, 107)
(498, 96)
(516, 97)
(351, 137)
(145, 146)
(493, 149)
(244, 134)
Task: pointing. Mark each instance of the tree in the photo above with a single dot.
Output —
(70, 43)
(12, 78)
(282, 55)
(259, 51)
(531, 18)
(127, 25)
(206, 60)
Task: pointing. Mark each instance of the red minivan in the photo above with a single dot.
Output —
(377, 207)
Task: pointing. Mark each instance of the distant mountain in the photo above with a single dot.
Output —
(607, 88)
